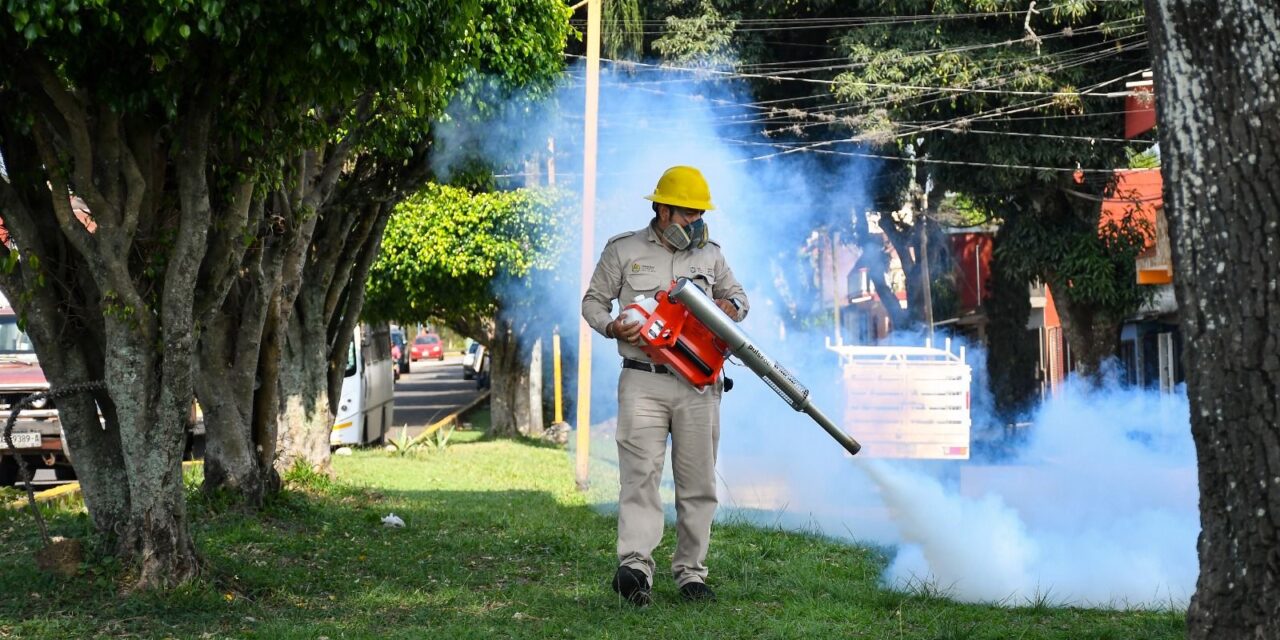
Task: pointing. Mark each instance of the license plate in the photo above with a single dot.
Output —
(23, 440)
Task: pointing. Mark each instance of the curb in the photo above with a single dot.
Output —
(56, 494)
(72, 489)
(453, 417)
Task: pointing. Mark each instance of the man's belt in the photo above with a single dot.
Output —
(628, 363)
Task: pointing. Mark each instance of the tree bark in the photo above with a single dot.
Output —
(1218, 91)
(1092, 334)
(266, 399)
(327, 307)
(94, 446)
(537, 416)
(873, 257)
(306, 413)
(512, 410)
(1011, 354)
(225, 384)
(119, 289)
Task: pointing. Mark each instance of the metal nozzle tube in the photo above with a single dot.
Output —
(774, 374)
(834, 431)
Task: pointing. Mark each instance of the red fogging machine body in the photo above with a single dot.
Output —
(683, 329)
(674, 337)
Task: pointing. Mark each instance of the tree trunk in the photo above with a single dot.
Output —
(230, 461)
(152, 392)
(266, 400)
(95, 449)
(123, 301)
(322, 319)
(873, 258)
(99, 462)
(306, 414)
(232, 374)
(1092, 334)
(510, 407)
(225, 387)
(536, 425)
(1011, 354)
(1218, 91)
(905, 242)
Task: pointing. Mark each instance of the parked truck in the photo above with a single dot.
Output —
(37, 435)
(907, 402)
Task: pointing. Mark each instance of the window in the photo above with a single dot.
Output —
(12, 339)
(351, 358)
(381, 347)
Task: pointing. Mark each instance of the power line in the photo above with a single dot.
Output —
(958, 127)
(773, 67)
(800, 24)
(878, 85)
(1008, 110)
(959, 49)
(787, 148)
(1049, 136)
(825, 115)
(926, 160)
(1103, 49)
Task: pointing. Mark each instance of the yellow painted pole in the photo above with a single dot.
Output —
(588, 239)
(555, 356)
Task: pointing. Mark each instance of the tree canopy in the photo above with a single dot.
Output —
(450, 254)
(487, 265)
(202, 134)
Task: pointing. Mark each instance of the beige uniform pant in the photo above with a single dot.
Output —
(651, 406)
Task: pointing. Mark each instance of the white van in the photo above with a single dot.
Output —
(366, 407)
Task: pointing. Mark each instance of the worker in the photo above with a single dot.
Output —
(652, 402)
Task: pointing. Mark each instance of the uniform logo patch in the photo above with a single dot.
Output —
(636, 267)
(702, 271)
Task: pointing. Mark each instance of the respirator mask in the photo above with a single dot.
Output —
(683, 237)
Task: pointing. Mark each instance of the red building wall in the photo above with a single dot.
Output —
(972, 255)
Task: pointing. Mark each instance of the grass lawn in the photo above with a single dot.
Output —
(498, 543)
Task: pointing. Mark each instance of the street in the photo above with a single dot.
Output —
(430, 391)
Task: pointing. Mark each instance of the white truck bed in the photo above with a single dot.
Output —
(906, 402)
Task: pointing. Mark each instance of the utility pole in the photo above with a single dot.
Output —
(836, 298)
(920, 206)
(926, 287)
(583, 443)
(551, 161)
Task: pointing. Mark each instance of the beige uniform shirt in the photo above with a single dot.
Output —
(637, 262)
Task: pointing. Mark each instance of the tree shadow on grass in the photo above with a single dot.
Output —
(513, 563)
(467, 564)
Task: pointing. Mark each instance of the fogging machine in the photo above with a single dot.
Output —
(683, 329)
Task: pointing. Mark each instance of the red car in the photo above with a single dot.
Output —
(426, 347)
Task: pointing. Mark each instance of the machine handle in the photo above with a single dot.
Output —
(774, 374)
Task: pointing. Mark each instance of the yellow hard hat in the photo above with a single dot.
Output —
(683, 187)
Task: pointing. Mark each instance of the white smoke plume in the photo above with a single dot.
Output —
(1097, 507)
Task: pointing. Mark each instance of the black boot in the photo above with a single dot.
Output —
(697, 592)
(632, 585)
